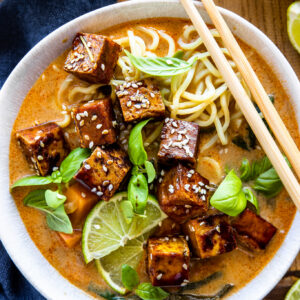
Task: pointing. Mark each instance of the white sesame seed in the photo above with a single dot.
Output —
(67, 135)
(40, 157)
(94, 117)
(37, 137)
(159, 276)
(98, 126)
(218, 228)
(187, 187)
(91, 144)
(104, 168)
(110, 187)
(94, 189)
(152, 95)
(167, 120)
(105, 182)
(187, 237)
(105, 131)
(114, 123)
(134, 85)
(128, 104)
(173, 225)
(42, 144)
(174, 124)
(99, 154)
(189, 175)
(81, 123)
(171, 189)
(86, 137)
(78, 117)
(162, 173)
(85, 113)
(202, 223)
(54, 169)
(99, 194)
(185, 266)
(87, 166)
(103, 67)
(159, 223)
(160, 180)
(83, 195)
(203, 197)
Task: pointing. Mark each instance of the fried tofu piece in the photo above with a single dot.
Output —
(168, 227)
(183, 193)
(80, 201)
(44, 145)
(168, 261)
(140, 100)
(253, 231)
(104, 171)
(72, 239)
(210, 236)
(179, 142)
(95, 122)
(93, 57)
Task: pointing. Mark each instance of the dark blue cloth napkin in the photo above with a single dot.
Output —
(23, 23)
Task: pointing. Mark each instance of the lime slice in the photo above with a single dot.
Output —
(294, 292)
(110, 266)
(293, 24)
(105, 229)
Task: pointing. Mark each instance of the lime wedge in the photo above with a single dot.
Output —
(110, 266)
(105, 229)
(294, 292)
(293, 24)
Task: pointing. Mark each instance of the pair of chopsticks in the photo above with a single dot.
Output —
(261, 132)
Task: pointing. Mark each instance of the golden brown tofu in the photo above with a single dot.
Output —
(253, 231)
(72, 239)
(80, 201)
(183, 193)
(95, 123)
(93, 57)
(168, 261)
(179, 142)
(210, 236)
(140, 100)
(168, 227)
(44, 145)
(104, 171)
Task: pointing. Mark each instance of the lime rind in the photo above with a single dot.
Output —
(294, 292)
(293, 24)
(106, 229)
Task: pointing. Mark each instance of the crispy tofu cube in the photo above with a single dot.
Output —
(179, 142)
(72, 239)
(183, 193)
(104, 171)
(253, 231)
(93, 57)
(80, 201)
(168, 227)
(95, 123)
(210, 236)
(168, 261)
(140, 100)
(44, 145)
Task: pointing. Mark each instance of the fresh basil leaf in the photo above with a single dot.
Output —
(151, 173)
(56, 176)
(251, 197)
(72, 163)
(160, 66)
(58, 220)
(138, 193)
(54, 199)
(130, 277)
(229, 197)
(179, 54)
(127, 210)
(149, 292)
(32, 180)
(136, 151)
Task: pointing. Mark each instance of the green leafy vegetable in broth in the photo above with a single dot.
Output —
(54, 199)
(160, 66)
(57, 219)
(251, 197)
(147, 291)
(130, 277)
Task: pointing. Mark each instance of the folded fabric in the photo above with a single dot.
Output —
(23, 23)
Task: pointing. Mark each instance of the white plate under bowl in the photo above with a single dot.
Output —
(12, 230)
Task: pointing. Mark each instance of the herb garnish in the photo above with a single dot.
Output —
(52, 202)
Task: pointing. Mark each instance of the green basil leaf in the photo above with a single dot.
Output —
(179, 54)
(151, 173)
(54, 199)
(58, 220)
(160, 66)
(251, 197)
(32, 180)
(72, 163)
(138, 193)
(229, 197)
(56, 176)
(149, 292)
(136, 151)
(130, 277)
(127, 210)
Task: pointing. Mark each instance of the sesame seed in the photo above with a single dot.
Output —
(172, 131)
(94, 117)
(187, 237)
(202, 223)
(173, 225)
(110, 187)
(42, 144)
(159, 276)
(94, 189)
(162, 173)
(67, 135)
(99, 194)
(78, 117)
(201, 183)
(37, 137)
(160, 180)
(81, 123)
(171, 189)
(98, 126)
(85, 113)
(189, 175)
(104, 168)
(159, 223)
(91, 144)
(134, 85)
(114, 123)
(174, 124)
(152, 95)
(83, 195)
(185, 266)
(105, 131)
(102, 67)
(105, 182)
(99, 154)
(218, 228)
(188, 206)
(203, 197)
(87, 166)
(40, 157)
(86, 137)
(128, 104)
(187, 211)
(187, 187)
(54, 169)
(167, 120)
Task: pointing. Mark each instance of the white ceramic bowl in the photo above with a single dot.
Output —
(13, 232)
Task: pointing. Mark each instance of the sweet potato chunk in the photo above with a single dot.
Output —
(72, 239)
(179, 142)
(183, 193)
(168, 227)
(95, 122)
(253, 230)
(210, 236)
(104, 171)
(44, 145)
(140, 100)
(79, 202)
(168, 261)
(95, 64)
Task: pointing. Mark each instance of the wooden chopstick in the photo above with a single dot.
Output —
(261, 132)
(261, 98)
